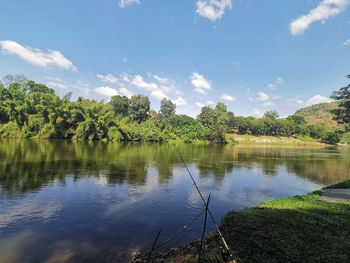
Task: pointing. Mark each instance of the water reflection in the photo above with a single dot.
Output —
(27, 165)
(66, 201)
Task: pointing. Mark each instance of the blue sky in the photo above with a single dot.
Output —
(254, 55)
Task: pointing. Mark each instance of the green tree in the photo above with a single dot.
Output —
(297, 119)
(216, 120)
(273, 115)
(167, 107)
(139, 107)
(120, 105)
(220, 106)
(35, 87)
(342, 113)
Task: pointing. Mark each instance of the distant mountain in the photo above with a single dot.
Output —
(320, 114)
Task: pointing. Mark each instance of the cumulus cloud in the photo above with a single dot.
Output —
(268, 104)
(227, 97)
(109, 78)
(347, 42)
(159, 87)
(179, 101)
(124, 3)
(262, 96)
(56, 85)
(106, 91)
(199, 104)
(200, 84)
(166, 84)
(213, 9)
(126, 92)
(139, 82)
(159, 94)
(208, 103)
(317, 99)
(322, 12)
(45, 59)
(295, 101)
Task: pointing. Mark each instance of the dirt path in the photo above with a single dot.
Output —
(336, 195)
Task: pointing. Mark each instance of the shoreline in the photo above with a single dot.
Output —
(230, 140)
(281, 230)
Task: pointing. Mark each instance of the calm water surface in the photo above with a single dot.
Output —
(66, 201)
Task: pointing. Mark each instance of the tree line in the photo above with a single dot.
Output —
(33, 110)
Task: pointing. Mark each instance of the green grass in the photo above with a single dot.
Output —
(277, 140)
(296, 229)
(307, 139)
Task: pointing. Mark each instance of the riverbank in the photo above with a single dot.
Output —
(278, 140)
(295, 229)
(230, 139)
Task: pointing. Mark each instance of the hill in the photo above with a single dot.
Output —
(320, 114)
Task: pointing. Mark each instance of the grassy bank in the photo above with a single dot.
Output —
(251, 139)
(295, 229)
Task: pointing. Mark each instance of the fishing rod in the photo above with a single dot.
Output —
(204, 202)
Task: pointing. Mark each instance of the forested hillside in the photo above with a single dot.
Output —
(320, 114)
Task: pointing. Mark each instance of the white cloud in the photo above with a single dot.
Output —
(317, 99)
(124, 3)
(56, 85)
(268, 104)
(161, 88)
(126, 92)
(109, 78)
(208, 103)
(106, 91)
(295, 101)
(213, 9)
(276, 97)
(347, 42)
(324, 10)
(262, 96)
(140, 83)
(227, 97)
(167, 84)
(274, 85)
(159, 94)
(200, 84)
(179, 101)
(50, 58)
(257, 113)
(199, 104)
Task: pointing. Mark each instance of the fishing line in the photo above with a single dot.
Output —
(204, 202)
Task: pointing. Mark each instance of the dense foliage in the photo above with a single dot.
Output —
(32, 110)
(342, 113)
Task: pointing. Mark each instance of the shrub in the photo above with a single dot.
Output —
(86, 130)
(10, 129)
(114, 134)
(332, 137)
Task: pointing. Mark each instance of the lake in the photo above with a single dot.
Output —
(67, 201)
